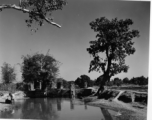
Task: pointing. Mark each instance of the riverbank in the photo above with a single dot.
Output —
(127, 111)
(3, 106)
(4, 95)
(125, 107)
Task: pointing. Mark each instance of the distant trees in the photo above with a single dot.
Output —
(125, 80)
(11, 87)
(8, 73)
(21, 86)
(117, 81)
(39, 68)
(63, 82)
(133, 81)
(139, 80)
(110, 83)
(80, 81)
(114, 39)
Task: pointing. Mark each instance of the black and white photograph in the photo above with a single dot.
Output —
(75, 59)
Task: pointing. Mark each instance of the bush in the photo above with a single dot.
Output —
(110, 83)
(8, 87)
(82, 80)
(141, 98)
(117, 81)
(8, 73)
(125, 97)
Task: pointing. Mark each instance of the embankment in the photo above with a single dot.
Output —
(132, 105)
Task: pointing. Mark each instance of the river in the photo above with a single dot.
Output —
(55, 109)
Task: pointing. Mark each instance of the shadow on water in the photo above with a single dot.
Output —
(55, 109)
(106, 114)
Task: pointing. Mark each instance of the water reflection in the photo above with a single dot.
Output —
(39, 109)
(55, 109)
(72, 104)
(85, 106)
(7, 114)
(59, 104)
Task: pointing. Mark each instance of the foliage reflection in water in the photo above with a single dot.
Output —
(53, 109)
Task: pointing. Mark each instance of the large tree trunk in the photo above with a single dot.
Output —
(105, 79)
(101, 89)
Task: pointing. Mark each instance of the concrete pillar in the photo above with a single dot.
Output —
(85, 85)
(32, 86)
(29, 86)
(40, 85)
(53, 84)
(133, 97)
(72, 90)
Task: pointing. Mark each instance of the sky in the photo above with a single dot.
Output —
(68, 44)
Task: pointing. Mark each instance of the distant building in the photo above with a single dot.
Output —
(72, 90)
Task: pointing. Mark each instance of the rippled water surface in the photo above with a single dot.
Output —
(54, 109)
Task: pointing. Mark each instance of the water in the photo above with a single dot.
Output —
(55, 109)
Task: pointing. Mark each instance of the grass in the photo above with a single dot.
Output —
(131, 87)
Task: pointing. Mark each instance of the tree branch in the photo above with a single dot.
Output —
(28, 11)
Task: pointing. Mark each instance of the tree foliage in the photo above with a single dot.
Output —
(8, 73)
(110, 83)
(139, 80)
(117, 81)
(80, 81)
(39, 67)
(99, 80)
(38, 10)
(125, 80)
(64, 82)
(114, 39)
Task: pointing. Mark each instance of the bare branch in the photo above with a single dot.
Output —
(28, 11)
(51, 22)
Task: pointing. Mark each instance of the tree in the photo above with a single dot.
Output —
(8, 73)
(125, 80)
(39, 68)
(99, 80)
(139, 80)
(64, 83)
(110, 83)
(133, 81)
(117, 81)
(38, 10)
(21, 86)
(114, 40)
(80, 81)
